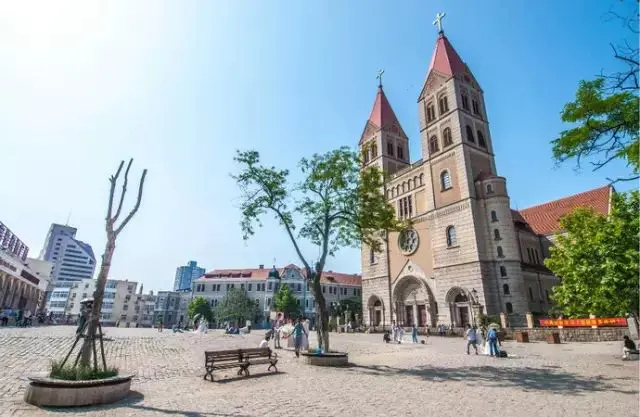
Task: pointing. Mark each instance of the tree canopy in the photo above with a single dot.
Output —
(236, 306)
(598, 260)
(286, 302)
(200, 305)
(604, 114)
(337, 204)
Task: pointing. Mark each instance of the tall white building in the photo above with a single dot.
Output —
(73, 260)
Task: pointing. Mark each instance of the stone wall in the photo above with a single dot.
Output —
(604, 334)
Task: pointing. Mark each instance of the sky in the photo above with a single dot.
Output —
(179, 86)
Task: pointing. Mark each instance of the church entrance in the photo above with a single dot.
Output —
(459, 307)
(412, 302)
(463, 313)
(376, 311)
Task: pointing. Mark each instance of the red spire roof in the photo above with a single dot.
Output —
(382, 114)
(445, 59)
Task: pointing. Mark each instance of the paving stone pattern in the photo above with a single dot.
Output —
(435, 379)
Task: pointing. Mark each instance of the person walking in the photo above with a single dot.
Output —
(298, 332)
(414, 334)
(472, 338)
(394, 331)
(492, 340)
(276, 335)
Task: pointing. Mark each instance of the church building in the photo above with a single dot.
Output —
(467, 252)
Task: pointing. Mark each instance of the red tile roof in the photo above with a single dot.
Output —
(544, 219)
(445, 59)
(382, 114)
(328, 277)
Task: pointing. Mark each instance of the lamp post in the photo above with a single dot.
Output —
(474, 303)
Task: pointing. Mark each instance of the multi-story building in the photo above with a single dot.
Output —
(262, 284)
(147, 304)
(464, 254)
(73, 260)
(186, 274)
(23, 281)
(171, 307)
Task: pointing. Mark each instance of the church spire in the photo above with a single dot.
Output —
(445, 59)
(382, 114)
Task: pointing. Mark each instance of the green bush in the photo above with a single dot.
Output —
(69, 373)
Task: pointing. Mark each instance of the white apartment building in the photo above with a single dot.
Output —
(262, 284)
(73, 260)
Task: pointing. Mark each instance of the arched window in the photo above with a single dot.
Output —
(433, 144)
(415, 181)
(500, 252)
(496, 234)
(505, 289)
(372, 256)
(374, 151)
(465, 101)
(410, 184)
(481, 140)
(447, 140)
(470, 137)
(530, 294)
(444, 105)
(451, 236)
(445, 180)
(421, 179)
(509, 308)
(404, 187)
(365, 156)
(431, 112)
(489, 189)
(503, 271)
(494, 216)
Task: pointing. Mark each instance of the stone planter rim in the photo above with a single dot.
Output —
(46, 381)
(327, 354)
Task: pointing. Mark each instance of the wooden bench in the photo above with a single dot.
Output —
(238, 358)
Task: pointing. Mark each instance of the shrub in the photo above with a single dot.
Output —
(69, 373)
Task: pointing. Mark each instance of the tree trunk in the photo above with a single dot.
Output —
(85, 360)
(322, 315)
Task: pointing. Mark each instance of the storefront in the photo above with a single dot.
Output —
(20, 289)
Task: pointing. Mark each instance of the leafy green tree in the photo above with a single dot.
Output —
(200, 305)
(286, 302)
(236, 306)
(604, 114)
(598, 260)
(337, 204)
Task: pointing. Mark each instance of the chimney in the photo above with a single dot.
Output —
(261, 266)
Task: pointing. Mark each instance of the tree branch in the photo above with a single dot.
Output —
(124, 190)
(136, 207)
(112, 180)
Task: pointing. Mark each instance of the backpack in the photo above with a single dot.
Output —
(502, 354)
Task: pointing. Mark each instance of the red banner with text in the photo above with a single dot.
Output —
(613, 322)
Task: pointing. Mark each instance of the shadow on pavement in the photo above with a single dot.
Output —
(527, 378)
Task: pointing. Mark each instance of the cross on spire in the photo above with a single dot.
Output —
(379, 77)
(438, 21)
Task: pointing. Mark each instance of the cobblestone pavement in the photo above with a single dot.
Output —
(385, 380)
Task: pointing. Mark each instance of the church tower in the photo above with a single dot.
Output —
(383, 141)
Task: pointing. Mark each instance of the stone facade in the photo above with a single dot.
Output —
(605, 334)
(466, 252)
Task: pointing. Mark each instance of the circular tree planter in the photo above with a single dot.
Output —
(326, 359)
(50, 392)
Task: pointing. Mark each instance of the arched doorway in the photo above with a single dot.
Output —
(460, 307)
(414, 302)
(376, 311)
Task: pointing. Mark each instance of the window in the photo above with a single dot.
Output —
(476, 106)
(306, 303)
(431, 112)
(445, 180)
(451, 236)
(365, 156)
(270, 286)
(372, 257)
(268, 301)
(433, 144)
(465, 101)
(374, 150)
(405, 208)
(447, 140)
(249, 287)
(299, 287)
(496, 234)
(505, 289)
(500, 252)
(125, 307)
(242, 286)
(400, 152)
(481, 140)
(489, 189)
(494, 216)
(324, 289)
(470, 137)
(509, 308)
(536, 256)
(390, 149)
(444, 105)
(503, 271)
(530, 294)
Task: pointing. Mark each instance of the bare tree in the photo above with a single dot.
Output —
(112, 234)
